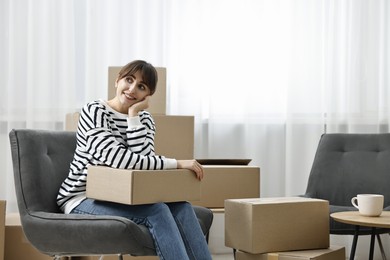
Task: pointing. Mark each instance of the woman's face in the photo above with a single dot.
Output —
(131, 90)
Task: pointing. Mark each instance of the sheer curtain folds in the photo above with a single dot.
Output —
(264, 78)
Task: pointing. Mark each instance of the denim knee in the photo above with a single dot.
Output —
(182, 206)
(160, 208)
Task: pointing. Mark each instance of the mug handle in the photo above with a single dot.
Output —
(353, 201)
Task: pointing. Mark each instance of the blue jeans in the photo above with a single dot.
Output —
(173, 226)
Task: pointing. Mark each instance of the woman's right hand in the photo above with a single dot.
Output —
(191, 165)
(141, 105)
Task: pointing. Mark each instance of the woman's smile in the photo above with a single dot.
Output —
(129, 97)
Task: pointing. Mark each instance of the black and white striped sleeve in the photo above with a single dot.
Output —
(106, 149)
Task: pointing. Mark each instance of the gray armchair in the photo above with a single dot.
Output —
(346, 165)
(40, 161)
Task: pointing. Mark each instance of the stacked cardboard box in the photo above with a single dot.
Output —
(174, 136)
(260, 227)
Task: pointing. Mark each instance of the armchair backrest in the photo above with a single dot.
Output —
(349, 164)
(41, 161)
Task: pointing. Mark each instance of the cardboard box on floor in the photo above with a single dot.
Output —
(331, 253)
(174, 135)
(158, 102)
(276, 224)
(16, 244)
(142, 186)
(223, 182)
(2, 228)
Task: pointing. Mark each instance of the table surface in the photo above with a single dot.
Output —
(354, 218)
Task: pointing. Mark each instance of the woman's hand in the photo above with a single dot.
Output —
(141, 105)
(191, 165)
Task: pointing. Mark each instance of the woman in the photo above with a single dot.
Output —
(119, 133)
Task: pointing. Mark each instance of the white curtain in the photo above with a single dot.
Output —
(264, 78)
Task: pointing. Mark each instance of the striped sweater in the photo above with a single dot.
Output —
(109, 138)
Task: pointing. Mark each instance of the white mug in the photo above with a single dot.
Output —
(368, 204)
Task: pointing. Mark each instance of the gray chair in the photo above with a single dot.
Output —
(41, 162)
(346, 165)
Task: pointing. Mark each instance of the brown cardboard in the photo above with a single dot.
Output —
(142, 186)
(158, 102)
(174, 134)
(266, 225)
(223, 182)
(2, 228)
(71, 121)
(16, 244)
(331, 253)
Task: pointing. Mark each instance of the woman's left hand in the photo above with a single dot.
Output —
(191, 165)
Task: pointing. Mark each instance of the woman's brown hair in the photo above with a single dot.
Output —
(148, 72)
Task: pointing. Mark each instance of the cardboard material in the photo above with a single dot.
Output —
(331, 253)
(142, 186)
(158, 102)
(71, 121)
(16, 244)
(276, 224)
(2, 228)
(174, 134)
(223, 182)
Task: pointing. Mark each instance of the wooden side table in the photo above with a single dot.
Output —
(354, 218)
